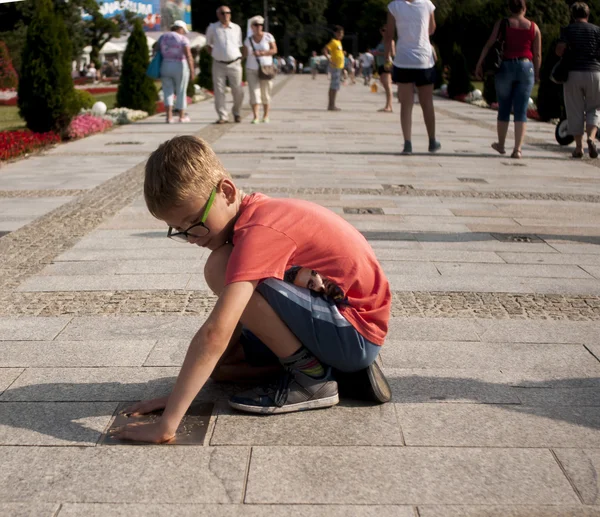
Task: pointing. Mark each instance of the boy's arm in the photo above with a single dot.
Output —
(205, 350)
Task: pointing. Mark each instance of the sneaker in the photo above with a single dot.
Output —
(434, 146)
(592, 149)
(368, 384)
(237, 119)
(266, 120)
(407, 147)
(255, 121)
(293, 391)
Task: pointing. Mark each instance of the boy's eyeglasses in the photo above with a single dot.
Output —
(201, 229)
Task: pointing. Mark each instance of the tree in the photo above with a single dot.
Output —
(98, 30)
(46, 96)
(8, 76)
(136, 89)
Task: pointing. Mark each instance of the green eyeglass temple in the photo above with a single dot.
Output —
(211, 200)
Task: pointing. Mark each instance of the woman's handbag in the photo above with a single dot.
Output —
(493, 60)
(265, 72)
(153, 70)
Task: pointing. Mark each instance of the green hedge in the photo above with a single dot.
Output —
(47, 99)
(136, 89)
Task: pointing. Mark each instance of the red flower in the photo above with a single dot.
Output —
(22, 141)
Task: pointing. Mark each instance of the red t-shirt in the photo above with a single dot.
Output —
(272, 235)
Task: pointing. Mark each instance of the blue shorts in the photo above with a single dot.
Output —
(336, 78)
(318, 325)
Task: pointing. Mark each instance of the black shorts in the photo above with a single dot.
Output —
(418, 76)
(381, 70)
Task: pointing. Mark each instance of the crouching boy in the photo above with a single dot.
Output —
(303, 283)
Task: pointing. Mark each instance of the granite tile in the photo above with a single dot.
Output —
(232, 510)
(350, 423)
(29, 509)
(482, 425)
(428, 475)
(30, 328)
(486, 356)
(123, 473)
(64, 354)
(436, 329)
(542, 331)
(104, 282)
(508, 511)
(105, 328)
(513, 270)
(8, 376)
(54, 423)
(582, 466)
(418, 385)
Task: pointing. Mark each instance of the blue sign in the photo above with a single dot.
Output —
(157, 14)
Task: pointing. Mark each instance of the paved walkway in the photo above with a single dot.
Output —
(493, 352)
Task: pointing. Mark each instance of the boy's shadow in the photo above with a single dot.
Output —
(66, 411)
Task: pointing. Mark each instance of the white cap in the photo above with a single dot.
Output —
(182, 25)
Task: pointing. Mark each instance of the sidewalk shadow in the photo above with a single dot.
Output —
(411, 389)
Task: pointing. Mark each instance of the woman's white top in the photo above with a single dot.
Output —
(264, 44)
(413, 49)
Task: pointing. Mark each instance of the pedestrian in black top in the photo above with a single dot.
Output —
(580, 46)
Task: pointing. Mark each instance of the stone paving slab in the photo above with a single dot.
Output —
(513, 270)
(350, 423)
(168, 352)
(581, 467)
(31, 329)
(8, 376)
(131, 254)
(105, 282)
(541, 332)
(446, 386)
(29, 509)
(88, 328)
(427, 476)
(234, 510)
(432, 329)
(483, 356)
(90, 384)
(53, 424)
(508, 511)
(581, 259)
(570, 397)
(117, 474)
(66, 354)
(482, 425)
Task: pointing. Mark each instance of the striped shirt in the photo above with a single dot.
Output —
(583, 41)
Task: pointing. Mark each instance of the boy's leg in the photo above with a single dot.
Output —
(305, 386)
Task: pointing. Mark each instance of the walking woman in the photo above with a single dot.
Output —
(519, 71)
(176, 69)
(414, 64)
(260, 47)
(582, 89)
(385, 72)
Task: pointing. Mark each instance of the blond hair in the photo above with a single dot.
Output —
(179, 169)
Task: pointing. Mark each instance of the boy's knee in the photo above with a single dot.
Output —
(216, 267)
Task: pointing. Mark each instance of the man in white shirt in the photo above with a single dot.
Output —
(224, 40)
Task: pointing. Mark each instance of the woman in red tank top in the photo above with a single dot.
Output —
(519, 70)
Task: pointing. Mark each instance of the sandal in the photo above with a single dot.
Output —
(497, 147)
(577, 153)
(517, 154)
(592, 149)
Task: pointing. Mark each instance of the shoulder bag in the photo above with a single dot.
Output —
(265, 72)
(493, 60)
(153, 70)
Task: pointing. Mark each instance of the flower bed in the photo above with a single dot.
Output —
(23, 141)
(100, 89)
(85, 125)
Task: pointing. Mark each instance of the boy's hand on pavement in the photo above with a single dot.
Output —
(154, 432)
(146, 406)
